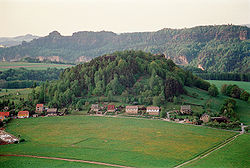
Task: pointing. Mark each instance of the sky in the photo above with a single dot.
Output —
(40, 17)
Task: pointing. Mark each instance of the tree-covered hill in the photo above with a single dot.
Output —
(223, 48)
(134, 75)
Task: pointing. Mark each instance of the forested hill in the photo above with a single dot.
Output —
(133, 75)
(223, 48)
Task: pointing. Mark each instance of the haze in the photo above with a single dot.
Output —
(39, 17)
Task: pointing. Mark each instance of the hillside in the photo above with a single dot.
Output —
(13, 41)
(135, 75)
(223, 48)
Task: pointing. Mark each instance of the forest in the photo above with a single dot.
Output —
(135, 75)
(220, 48)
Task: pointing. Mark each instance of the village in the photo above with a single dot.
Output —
(110, 109)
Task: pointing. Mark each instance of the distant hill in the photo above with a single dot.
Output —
(223, 48)
(13, 41)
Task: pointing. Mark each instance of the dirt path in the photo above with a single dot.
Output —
(209, 152)
(70, 160)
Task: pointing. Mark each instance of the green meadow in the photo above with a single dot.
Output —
(24, 162)
(14, 94)
(241, 84)
(31, 66)
(124, 141)
(234, 154)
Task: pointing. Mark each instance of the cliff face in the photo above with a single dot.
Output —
(182, 45)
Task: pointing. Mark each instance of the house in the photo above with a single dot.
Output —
(205, 118)
(219, 119)
(4, 115)
(39, 108)
(111, 108)
(6, 108)
(95, 107)
(186, 109)
(35, 115)
(153, 110)
(132, 109)
(52, 112)
(23, 114)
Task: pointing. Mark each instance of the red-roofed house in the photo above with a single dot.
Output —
(39, 108)
(4, 115)
(111, 108)
(23, 114)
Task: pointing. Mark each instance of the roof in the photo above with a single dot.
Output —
(153, 108)
(39, 105)
(4, 113)
(131, 107)
(186, 107)
(52, 110)
(205, 114)
(23, 113)
(111, 107)
(95, 105)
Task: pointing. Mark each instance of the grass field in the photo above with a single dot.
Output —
(34, 66)
(11, 94)
(130, 142)
(235, 154)
(214, 103)
(241, 84)
(23, 162)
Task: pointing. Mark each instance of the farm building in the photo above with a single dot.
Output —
(4, 115)
(23, 114)
(39, 108)
(205, 118)
(132, 109)
(153, 110)
(111, 108)
(52, 112)
(95, 107)
(186, 109)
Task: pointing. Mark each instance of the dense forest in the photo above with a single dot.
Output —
(135, 75)
(222, 48)
(24, 78)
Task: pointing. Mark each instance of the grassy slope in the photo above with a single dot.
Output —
(11, 94)
(131, 142)
(243, 107)
(235, 154)
(35, 66)
(22, 162)
(241, 84)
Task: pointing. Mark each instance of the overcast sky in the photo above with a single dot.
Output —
(40, 17)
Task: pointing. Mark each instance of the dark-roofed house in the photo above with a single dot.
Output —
(186, 109)
(205, 118)
(132, 109)
(111, 108)
(52, 112)
(4, 115)
(219, 119)
(153, 110)
(39, 108)
(23, 114)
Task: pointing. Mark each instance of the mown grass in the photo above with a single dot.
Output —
(23, 162)
(234, 154)
(31, 66)
(130, 142)
(241, 84)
